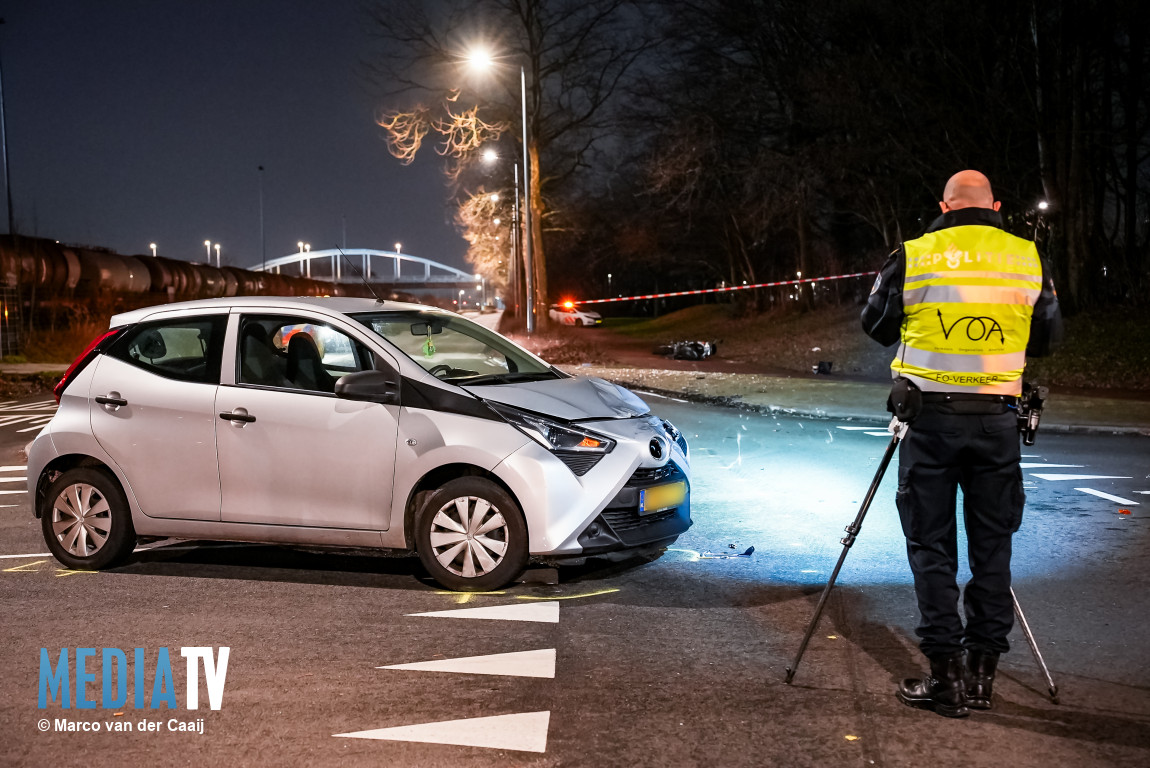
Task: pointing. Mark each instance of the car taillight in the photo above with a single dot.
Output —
(80, 362)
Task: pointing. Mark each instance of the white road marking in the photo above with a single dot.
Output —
(546, 612)
(523, 732)
(9, 506)
(1078, 477)
(540, 663)
(155, 544)
(5, 493)
(7, 421)
(1041, 465)
(12, 469)
(17, 557)
(879, 434)
(855, 429)
(13, 479)
(29, 429)
(1107, 496)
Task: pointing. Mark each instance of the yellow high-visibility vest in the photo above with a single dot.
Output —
(968, 297)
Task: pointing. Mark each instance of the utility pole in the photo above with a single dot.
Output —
(4, 146)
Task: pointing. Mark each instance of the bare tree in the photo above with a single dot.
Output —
(574, 55)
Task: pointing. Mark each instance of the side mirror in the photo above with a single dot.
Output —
(369, 386)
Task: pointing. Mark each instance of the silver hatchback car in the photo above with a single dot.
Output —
(349, 423)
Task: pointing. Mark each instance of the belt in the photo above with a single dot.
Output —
(956, 397)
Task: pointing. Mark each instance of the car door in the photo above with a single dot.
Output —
(290, 451)
(153, 404)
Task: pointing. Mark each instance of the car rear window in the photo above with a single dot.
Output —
(186, 349)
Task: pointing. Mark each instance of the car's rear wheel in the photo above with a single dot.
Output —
(86, 519)
(471, 536)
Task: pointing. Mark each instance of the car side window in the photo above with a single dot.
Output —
(297, 353)
(185, 349)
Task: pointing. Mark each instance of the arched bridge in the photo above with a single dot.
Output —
(388, 267)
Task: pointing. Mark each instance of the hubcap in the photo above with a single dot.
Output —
(81, 519)
(469, 536)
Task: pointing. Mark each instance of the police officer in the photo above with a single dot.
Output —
(966, 303)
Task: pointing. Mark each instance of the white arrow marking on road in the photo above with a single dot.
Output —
(523, 732)
(1040, 465)
(547, 612)
(1107, 496)
(539, 663)
(1078, 477)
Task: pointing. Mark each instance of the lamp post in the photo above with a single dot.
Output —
(263, 246)
(208, 248)
(153, 247)
(483, 60)
(217, 255)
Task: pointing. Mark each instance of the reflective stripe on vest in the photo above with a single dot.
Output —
(968, 297)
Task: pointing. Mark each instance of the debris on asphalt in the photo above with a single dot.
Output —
(1124, 512)
(724, 555)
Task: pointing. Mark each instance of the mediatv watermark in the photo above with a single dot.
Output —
(70, 681)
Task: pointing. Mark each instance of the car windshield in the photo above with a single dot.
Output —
(455, 349)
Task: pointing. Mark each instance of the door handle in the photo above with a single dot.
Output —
(246, 418)
(112, 399)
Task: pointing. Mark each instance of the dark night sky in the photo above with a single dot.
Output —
(138, 122)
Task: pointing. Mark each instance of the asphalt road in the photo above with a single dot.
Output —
(676, 662)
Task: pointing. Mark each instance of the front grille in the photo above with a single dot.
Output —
(623, 520)
(645, 476)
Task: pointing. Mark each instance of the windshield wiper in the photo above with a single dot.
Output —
(501, 378)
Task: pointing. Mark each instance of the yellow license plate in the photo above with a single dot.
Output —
(662, 497)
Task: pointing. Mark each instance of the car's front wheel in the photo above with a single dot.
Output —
(471, 536)
(86, 519)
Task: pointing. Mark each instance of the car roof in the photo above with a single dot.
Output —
(336, 305)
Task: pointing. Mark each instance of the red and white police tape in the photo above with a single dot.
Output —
(728, 288)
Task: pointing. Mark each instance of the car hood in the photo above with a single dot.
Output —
(568, 399)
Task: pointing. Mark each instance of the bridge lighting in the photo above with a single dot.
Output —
(398, 247)
(300, 244)
(153, 247)
(217, 255)
(208, 245)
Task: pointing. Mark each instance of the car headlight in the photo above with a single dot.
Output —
(553, 435)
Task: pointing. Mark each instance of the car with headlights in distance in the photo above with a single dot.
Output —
(356, 423)
(570, 313)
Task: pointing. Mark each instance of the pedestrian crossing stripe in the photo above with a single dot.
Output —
(546, 612)
(1041, 465)
(1107, 496)
(12, 469)
(1044, 476)
(540, 663)
(522, 732)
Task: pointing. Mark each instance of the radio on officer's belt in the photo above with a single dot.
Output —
(1030, 406)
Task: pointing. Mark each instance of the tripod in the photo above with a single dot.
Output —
(898, 430)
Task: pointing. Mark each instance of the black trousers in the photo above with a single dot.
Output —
(971, 445)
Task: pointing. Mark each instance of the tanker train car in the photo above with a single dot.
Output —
(53, 271)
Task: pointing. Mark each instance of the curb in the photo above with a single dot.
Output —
(881, 420)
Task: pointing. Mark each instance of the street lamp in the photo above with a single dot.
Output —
(153, 247)
(217, 255)
(608, 284)
(482, 59)
(398, 247)
(300, 245)
(208, 247)
(460, 298)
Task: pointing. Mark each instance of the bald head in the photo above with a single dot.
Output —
(968, 189)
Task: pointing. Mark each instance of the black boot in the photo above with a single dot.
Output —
(980, 668)
(944, 691)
